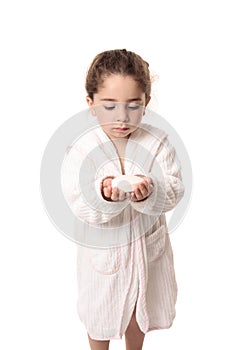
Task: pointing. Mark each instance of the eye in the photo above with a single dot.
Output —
(109, 108)
(134, 107)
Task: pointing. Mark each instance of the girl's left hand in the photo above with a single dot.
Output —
(143, 190)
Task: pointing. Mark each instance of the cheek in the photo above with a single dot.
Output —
(106, 118)
(136, 120)
(103, 120)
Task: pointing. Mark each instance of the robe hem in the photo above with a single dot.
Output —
(119, 336)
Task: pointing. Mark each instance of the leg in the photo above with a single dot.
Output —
(98, 344)
(134, 337)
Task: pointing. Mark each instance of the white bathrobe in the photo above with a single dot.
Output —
(125, 258)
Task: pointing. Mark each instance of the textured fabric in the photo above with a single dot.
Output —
(112, 281)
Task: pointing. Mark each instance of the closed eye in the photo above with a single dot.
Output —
(109, 108)
(134, 107)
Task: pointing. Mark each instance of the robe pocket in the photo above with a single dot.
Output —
(155, 244)
(106, 261)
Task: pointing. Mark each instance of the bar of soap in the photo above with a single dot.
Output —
(126, 183)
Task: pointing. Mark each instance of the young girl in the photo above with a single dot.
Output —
(126, 280)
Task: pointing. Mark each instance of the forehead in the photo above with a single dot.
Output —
(120, 88)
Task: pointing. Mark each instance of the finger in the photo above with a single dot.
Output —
(140, 191)
(147, 182)
(107, 192)
(143, 188)
(114, 195)
(138, 194)
(133, 197)
(121, 195)
(149, 185)
(107, 182)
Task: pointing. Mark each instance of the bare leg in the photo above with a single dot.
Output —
(98, 344)
(134, 337)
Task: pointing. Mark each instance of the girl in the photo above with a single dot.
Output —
(126, 279)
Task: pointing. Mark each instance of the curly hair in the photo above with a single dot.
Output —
(121, 62)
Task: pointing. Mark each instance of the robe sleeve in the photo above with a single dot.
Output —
(168, 187)
(81, 189)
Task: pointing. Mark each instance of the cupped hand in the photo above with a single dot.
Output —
(142, 190)
(112, 194)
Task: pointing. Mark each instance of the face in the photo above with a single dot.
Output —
(119, 106)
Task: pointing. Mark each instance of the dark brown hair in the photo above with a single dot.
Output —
(117, 62)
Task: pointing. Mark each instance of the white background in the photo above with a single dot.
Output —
(46, 47)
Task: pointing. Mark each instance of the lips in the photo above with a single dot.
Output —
(121, 129)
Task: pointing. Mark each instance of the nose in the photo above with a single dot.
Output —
(122, 114)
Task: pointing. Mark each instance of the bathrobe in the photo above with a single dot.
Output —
(125, 259)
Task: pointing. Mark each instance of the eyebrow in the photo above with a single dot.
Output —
(114, 100)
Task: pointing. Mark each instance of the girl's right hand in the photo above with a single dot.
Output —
(112, 194)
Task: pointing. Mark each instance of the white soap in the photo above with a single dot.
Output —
(126, 183)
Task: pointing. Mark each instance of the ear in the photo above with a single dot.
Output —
(147, 101)
(90, 103)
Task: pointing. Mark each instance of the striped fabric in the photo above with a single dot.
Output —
(136, 267)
